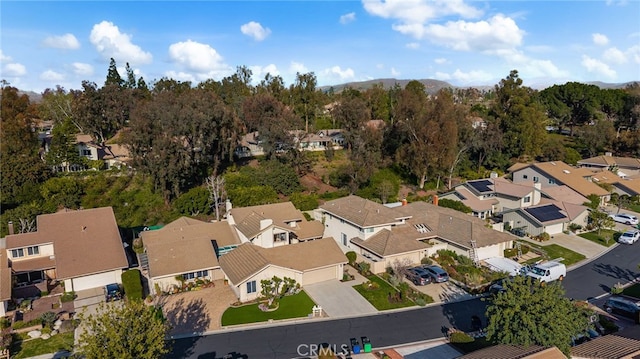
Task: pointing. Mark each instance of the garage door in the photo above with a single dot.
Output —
(319, 275)
(554, 228)
(96, 280)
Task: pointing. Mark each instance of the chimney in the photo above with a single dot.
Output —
(608, 154)
(264, 223)
(404, 201)
(10, 224)
(435, 199)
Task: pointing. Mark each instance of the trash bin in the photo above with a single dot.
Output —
(355, 347)
(366, 344)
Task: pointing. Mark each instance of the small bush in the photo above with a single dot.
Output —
(426, 261)
(574, 227)
(617, 288)
(44, 293)
(608, 325)
(4, 323)
(351, 257)
(364, 268)
(460, 337)
(68, 297)
(48, 318)
(132, 283)
(22, 324)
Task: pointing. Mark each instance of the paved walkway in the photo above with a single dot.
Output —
(339, 299)
(575, 243)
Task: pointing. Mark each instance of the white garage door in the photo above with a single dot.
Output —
(319, 275)
(554, 228)
(96, 280)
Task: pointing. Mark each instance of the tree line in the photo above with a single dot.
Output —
(181, 133)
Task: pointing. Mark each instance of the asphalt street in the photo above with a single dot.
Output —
(387, 329)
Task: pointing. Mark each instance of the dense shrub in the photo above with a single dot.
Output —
(457, 205)
(22, 324)
(304, 202)
(426, 261)
(460, 337)
(351, 256)
(132, 283)
(48, 318)
(68, 297)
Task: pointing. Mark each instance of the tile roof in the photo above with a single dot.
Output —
(572, 177)
(186, 245)
(85, 241)
(610, 346)
(385, 243)
(604, 160)
(248, 259)
(309, 230)
(630, 185)
(247, 219)
(503, 351)
(361, 212)
(474, 202)
(33, 264)
(605, 176)
(564, 194)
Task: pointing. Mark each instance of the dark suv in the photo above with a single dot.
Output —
(418, 276)
(112, 292)
(624, 307)
(437, 274)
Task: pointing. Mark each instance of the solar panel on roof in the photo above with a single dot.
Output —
(546, 213)
(481, 185)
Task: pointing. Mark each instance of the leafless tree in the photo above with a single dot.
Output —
(215, 185)
(27, 225)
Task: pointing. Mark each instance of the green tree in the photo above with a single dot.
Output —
(601, 220)
(194, 202)
(457, 205)
(527, 313)
(62, 192)
(63, 152)
(113, 77)
(132, 330)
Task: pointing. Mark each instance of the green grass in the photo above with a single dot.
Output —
(293, 306)
(600, 238)
(379, 297)
(632, 291)
(38, 346)
(132, 283)
(555, 251)
(634, 207)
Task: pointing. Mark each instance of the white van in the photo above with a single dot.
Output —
(548, 271)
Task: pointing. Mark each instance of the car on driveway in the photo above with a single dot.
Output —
(623, 307)
(498, 286)
(112, 292)
(438, 275)
(629, 237)
(625, 218)
(418, 276)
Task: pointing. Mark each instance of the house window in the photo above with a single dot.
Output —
(552, 181)
(251, 287)
(536, 179)
(525, 176)
(344, 239)
(279, 237)
(368, 230)
(32, 251)
(17, 253)
(86, 152)
(527, 199)
(194, 275)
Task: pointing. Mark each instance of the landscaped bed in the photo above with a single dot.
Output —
(382, 295)
(554, 251)
(293, 306)
(602, 237)
(33, 347)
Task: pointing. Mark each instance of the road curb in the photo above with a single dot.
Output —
(589, 260)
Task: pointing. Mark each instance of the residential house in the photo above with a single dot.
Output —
(185, 250)
(273, 225)
(562, 194)
(556, 173)
(83, 248)
(381, 235)
(113, 155)
(250, 144)
(505, 351)
(629, 187)
(624, 344)
(552, 218)
(490, 196)
(622, 166)
(307, 263)
(5, 282)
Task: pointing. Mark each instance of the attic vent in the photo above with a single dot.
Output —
(84, 228)
(566, 171)
(421, 228)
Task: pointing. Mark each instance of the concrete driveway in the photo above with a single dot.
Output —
(442, 292)
(339, 299)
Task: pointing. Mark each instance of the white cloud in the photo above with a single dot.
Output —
(82, 69)
(335, 73)
(51, 75)
(598, 67)
(499, 32)
(111, 43)
(412, 45)
(255, 30)
(14, 70)
(471, 76)
(65, 42)
(199, 58)
(615, 56)
(394, 72)
(634, 53)
(181, 76)
(347, 18)
(419, 11)
(3, 57)
(442, 76)
(259, 72)
(440, 61)
(600, 39)
(297, 67)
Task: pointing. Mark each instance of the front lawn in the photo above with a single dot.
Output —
(382, 295)
(632, 291)
(33, 347)
(554, 251)
(292, 306)
(601, 238)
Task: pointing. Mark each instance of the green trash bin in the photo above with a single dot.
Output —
(366, 344)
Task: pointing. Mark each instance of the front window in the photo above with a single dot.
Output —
(17, 253)
(251, 287)
(32, 251)
(552, 181)
(194, 275)
(527, 199)
(279, 237)
(344, 239)
(536, 179)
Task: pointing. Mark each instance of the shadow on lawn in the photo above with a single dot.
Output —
(186, 317)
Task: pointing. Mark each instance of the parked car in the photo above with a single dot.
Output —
(584, 337)
(624, 307)
(625, 218)
(112, 292)
(548, 271)
(629, 237)
(438, 275)
(418, 276)
(498, 286)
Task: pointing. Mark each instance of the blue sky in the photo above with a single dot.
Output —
(44, 44)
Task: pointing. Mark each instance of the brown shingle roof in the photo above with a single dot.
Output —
(605, 161)
(605, 176)
(309, 230)
(607, 347)
(572, 177)
(248, 259)
(385, 243)
(36, 263)
(631, 185)
(503, 351)
(247, 219)
(361, 212)
(85, 241)
(474, 202)
(564, 194)
(185, 245)
(5, 277)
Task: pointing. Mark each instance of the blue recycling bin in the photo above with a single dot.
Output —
(355, 347)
